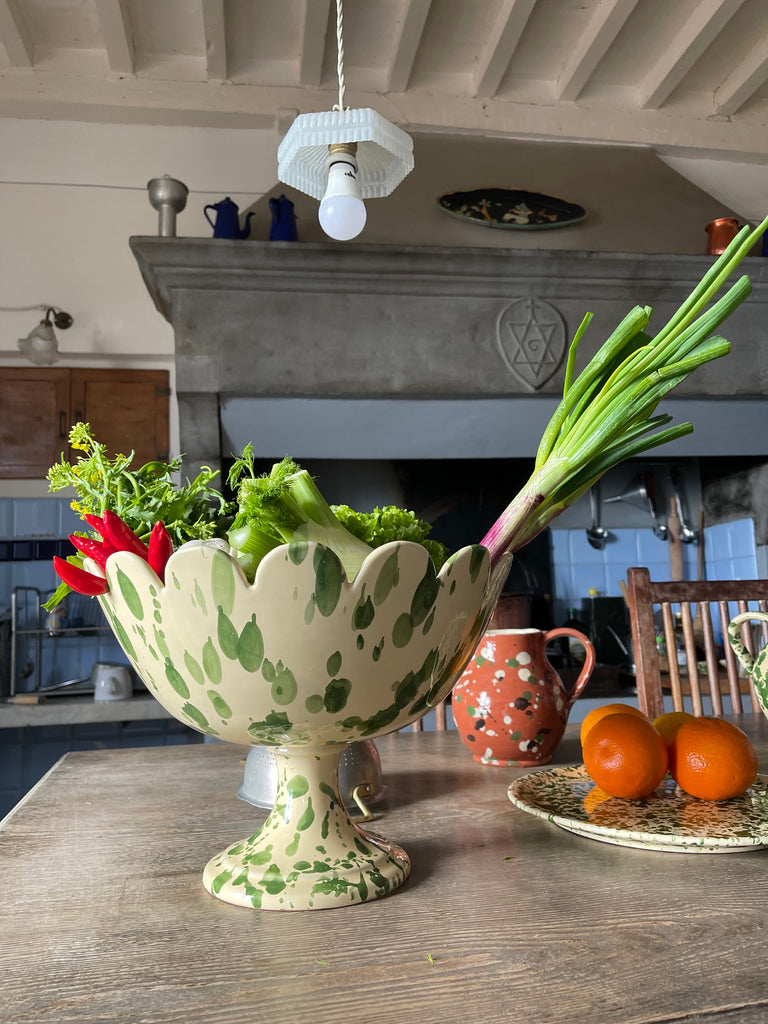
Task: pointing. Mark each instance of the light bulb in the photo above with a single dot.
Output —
(342, 212)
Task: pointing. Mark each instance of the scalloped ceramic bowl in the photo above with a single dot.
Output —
(303, 662)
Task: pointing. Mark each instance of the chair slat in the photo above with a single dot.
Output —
(644, 643)
(690, 658)
(711, 653)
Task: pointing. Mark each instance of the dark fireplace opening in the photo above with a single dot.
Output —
(460, 498)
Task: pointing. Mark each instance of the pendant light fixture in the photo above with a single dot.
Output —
(344, 156)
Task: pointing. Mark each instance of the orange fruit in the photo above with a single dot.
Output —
(712, 759)
(625, 756)
(594, 798)
(669, 723)
(607, 709)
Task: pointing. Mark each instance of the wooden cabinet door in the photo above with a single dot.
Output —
(34, 420)
(127, 410)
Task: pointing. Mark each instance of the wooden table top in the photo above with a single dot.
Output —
(505, 917)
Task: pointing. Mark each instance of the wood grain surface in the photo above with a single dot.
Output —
(505, 918)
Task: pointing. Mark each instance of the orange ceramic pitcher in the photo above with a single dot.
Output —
(510, 705)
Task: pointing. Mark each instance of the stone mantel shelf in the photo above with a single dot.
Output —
(170, 264)
(314, 320)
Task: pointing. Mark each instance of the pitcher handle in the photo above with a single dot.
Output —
(205, 213)
(734, 636)
(589, 661)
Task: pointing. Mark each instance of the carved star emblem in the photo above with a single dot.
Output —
(531, 337)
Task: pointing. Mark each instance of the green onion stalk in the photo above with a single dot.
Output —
(608, 412)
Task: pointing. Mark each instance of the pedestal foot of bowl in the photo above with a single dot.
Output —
(308, 854)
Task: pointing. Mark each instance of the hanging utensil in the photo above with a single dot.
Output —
(660, 528)
(641, 492)
(687, 535)
(597, 535)
(634, 493)
(675, 548)
(700, 552)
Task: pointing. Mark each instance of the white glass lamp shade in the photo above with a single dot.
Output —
(40, 345)
(384, 152)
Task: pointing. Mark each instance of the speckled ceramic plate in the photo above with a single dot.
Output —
(669, 820)
(511, 208)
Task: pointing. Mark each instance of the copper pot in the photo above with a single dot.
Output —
(721, 232)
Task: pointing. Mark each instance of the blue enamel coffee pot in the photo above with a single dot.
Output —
(227, 224)
(283, 227)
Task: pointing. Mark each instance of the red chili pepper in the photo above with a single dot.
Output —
(95, 522)
(78, 579)
(121, 536)
(160, 549)
(99, 551)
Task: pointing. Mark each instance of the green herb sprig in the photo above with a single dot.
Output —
(140, 496)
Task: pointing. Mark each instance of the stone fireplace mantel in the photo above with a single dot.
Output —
(304, 320)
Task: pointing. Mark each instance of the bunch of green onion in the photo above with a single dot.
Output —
(608, 413)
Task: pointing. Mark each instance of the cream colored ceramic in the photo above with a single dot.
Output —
(303, 662)
(668, 820)
(756, 665)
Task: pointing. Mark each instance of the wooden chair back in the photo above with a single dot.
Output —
(696, 677)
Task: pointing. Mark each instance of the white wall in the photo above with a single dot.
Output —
(72, 194)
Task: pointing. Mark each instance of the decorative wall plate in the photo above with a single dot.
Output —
(668, 820)
(511, 208)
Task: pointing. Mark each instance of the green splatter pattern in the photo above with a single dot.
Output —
(284, 867)
(253, 644)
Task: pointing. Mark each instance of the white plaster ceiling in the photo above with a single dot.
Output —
(686, 78)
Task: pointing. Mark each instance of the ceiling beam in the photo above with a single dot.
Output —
(745, 79)
(215, 34)
(313, 36)
(116, 32)
(503, 37)
(135, 99)
(591, 46)
(412, 20)
(15, 36)
(685, 48)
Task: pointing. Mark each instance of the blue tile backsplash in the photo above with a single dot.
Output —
(729, 553)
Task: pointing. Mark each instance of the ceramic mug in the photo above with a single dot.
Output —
(111, 682)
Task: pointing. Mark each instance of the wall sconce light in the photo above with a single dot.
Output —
(342, 157)
(41, 345)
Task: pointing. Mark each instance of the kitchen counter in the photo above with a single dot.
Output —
(606, 683)
(79, 710)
